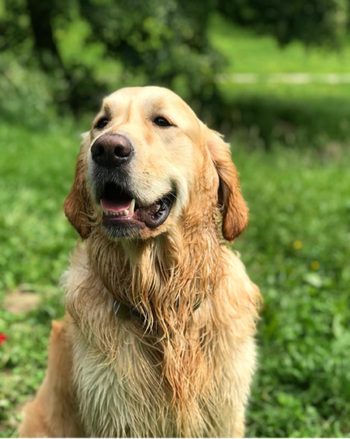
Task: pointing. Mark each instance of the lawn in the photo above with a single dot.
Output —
(297, 115)
(248, 52)
(295, 249)
(291, 148)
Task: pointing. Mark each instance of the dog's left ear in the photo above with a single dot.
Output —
(76, 205)
(235, 211)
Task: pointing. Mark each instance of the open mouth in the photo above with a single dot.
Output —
(120, 208)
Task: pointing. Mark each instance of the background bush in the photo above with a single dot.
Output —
(101, 45)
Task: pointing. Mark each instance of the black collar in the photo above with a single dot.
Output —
(123, 312)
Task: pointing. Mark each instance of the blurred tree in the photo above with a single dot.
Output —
(155, 42)
(313, 22)
(40, 14)
(160, 42)
(164, 42)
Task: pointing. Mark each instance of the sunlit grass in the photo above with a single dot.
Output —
(266, 112)
(247, 52)
(295, 249)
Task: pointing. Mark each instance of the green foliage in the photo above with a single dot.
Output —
(86, 48)
(311, 22)
(157, 42)
(28, 94)
(163, 43)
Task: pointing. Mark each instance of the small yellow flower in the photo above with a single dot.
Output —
(315, 265)
(297, 245)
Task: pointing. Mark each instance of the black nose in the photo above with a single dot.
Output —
(111, 150)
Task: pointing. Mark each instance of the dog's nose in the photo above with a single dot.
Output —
(111, 150)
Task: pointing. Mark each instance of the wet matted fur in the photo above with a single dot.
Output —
(183, 365)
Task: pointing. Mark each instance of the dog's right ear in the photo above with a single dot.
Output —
(77, 204)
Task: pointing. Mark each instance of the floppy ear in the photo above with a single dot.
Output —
(76, 205)
(235, 211)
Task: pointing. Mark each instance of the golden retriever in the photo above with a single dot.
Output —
(158, 335)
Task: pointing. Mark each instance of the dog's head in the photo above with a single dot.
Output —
(147, 162)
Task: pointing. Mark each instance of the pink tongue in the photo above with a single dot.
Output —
(115, 206)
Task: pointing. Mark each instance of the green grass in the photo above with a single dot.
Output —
(248, 52)
(297, 115)
(36, 173)
(295, 249)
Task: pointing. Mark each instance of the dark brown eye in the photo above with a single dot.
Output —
(161, 122)
(101, 123)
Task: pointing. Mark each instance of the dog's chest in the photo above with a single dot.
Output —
(126, 397)
(120, 399)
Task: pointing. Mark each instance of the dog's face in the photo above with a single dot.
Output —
(144, 161)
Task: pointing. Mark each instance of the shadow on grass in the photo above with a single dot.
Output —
(262, 120)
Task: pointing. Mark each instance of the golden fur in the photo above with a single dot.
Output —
(186, 372)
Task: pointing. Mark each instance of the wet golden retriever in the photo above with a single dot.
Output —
(158, 335)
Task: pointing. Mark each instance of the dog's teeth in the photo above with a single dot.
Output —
(125, 212)
(132, 206)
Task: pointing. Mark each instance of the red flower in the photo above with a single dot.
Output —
(2, 338)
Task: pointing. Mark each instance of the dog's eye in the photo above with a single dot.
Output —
(161, 122)
(101, 123)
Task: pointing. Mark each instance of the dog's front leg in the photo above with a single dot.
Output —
(53, 413)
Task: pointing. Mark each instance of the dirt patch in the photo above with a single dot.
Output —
(19, 301)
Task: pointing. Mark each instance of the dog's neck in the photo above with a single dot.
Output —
(164, 278)
(166, 275)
